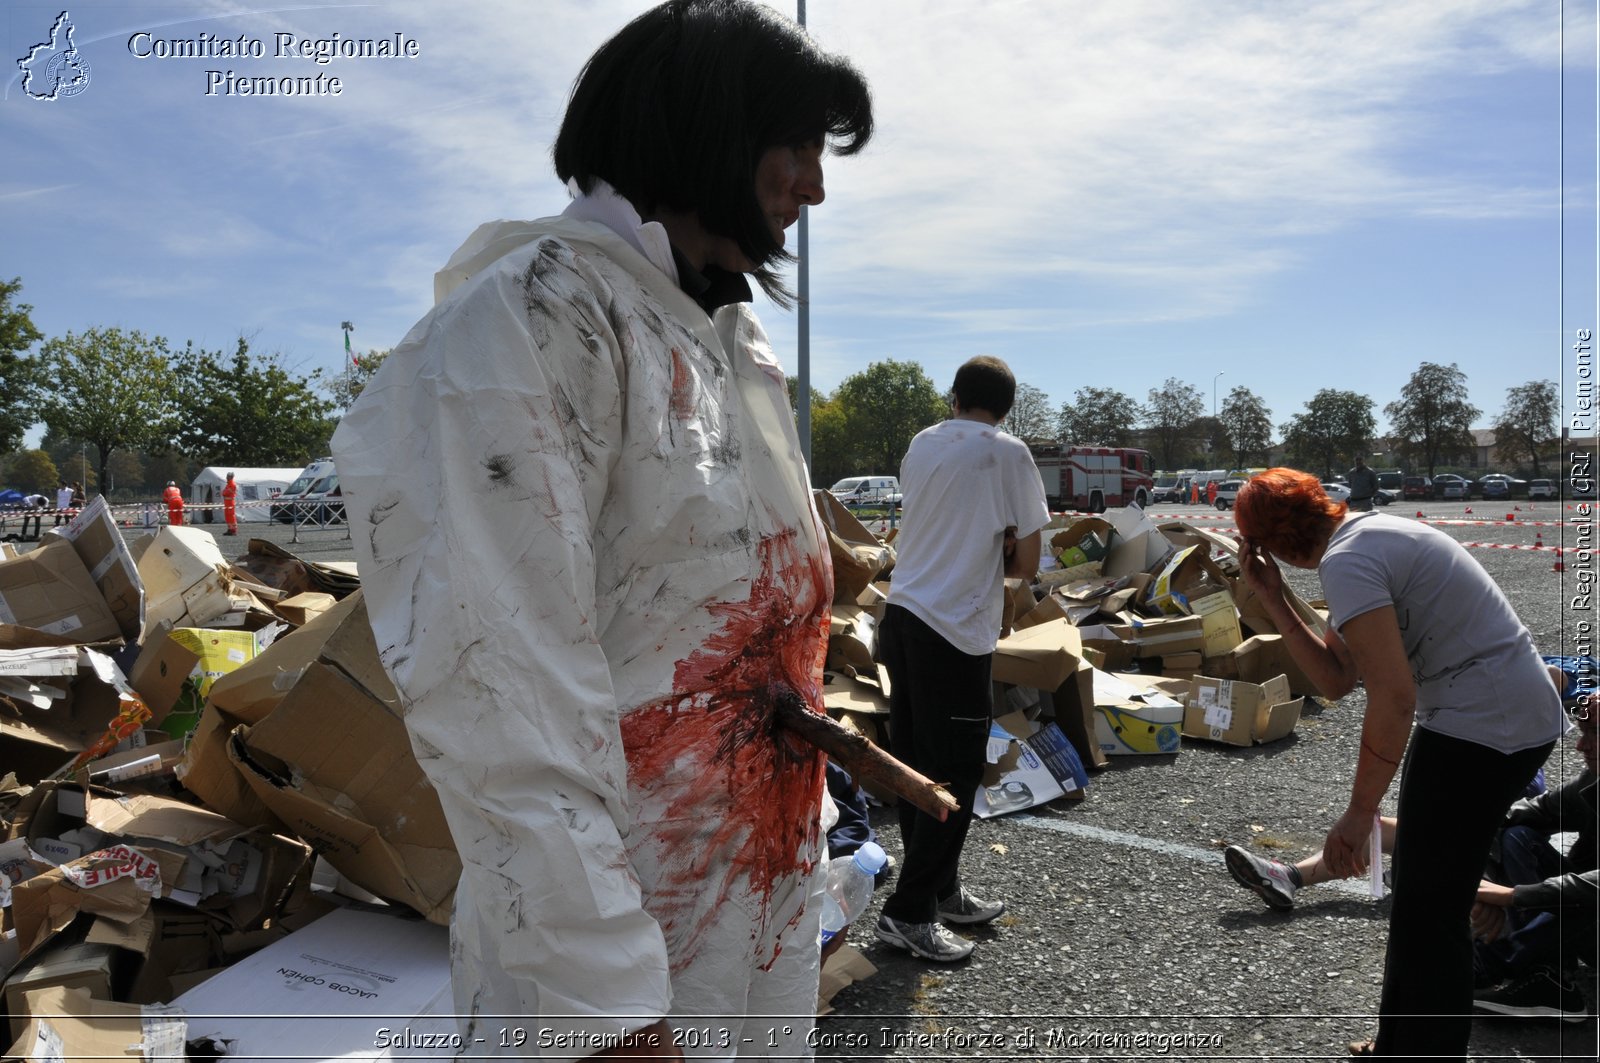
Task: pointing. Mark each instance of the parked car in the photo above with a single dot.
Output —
(285, 508)
(1541, 488)
(1227, 491)
(323, 504)
(1170, 489)
(867, 491)
(1385, 497)
(1449, 485)
(1499, 485)
(1337, 492)
(1416, 487)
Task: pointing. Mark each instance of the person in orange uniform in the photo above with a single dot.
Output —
(230, 492)
(1211, 492)
(173, 497)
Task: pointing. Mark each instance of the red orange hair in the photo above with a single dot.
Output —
(1286, 512)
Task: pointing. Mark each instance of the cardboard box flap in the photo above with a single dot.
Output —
(249, 693)
(98, 542)
(852, 639)
(347, 782)
(1042, 656)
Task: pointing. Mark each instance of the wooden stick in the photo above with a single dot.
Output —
(862, 759)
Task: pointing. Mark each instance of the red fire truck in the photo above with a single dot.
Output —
(1093, 479)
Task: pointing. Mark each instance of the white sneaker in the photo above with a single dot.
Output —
(967, 910)
(931, 941)
(1269, 879)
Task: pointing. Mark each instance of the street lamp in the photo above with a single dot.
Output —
(1214, 393)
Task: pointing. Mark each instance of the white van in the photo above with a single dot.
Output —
(286, 508)
(867, 491)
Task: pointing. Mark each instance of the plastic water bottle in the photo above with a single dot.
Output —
(849, 887)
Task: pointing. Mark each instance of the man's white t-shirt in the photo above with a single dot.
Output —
(64, 498)
(964, 484)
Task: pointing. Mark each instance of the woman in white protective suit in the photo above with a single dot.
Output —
(593, 566)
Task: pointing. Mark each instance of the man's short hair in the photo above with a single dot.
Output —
(676, 110)
(985, 383)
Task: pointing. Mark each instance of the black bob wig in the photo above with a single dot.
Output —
(676, 110)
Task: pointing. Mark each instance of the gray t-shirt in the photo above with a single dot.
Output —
(1478, 675)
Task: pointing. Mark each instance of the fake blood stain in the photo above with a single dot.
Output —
(740, 793)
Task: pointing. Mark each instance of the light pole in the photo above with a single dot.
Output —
(1214, 393)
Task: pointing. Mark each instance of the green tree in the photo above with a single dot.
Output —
(111, 388)
(1335, 427)
(126, 473)
(1247, 426)
(1528, 421)
(1031, 418)
(1170, 416)
(832, 457)
(32, 470)
(18, 375)
(71, 460)
(1432, 417)
(247, 410)
(1097, 417)
(885, 405)
(347, 385)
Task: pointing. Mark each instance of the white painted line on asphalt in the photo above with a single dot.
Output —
(1156, 845)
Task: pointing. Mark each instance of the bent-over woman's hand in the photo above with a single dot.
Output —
(1347, 850)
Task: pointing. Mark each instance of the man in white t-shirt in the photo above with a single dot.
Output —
(973, 512)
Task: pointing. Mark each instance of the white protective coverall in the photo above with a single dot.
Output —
(593, 565)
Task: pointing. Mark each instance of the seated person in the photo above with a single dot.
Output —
(1535, 916)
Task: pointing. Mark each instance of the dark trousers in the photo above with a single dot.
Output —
(939, 706)
(854, 829)
(1453, 798)
(1533, 937)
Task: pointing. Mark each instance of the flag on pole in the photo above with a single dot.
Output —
(348, 352)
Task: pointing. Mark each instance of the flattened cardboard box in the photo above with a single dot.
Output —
(1028, 765)
(1239, 713)
(48, 589)
(160, 828)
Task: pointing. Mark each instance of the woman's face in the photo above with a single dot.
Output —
(788, 178)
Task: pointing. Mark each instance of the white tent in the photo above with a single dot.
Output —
(256, 486)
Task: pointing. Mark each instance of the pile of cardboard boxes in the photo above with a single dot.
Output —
(209, 805)
(1135, 638)
(198, 759)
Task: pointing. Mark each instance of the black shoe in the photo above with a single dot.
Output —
(1542, 993)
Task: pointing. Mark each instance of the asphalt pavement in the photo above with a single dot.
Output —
(1125, 938)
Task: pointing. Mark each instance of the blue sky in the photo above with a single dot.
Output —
(1294, 195)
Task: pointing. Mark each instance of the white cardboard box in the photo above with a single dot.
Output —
(355, 984)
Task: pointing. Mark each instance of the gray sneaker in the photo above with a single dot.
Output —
(1269, 879)
(967, 910)
(931, 941)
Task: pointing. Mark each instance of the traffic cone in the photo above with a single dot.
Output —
(1538, 538)
(1419, 514)
(1559, 567)
(1511, 516)
(1469, 511)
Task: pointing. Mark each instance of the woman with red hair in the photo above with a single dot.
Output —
(1421, 625)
